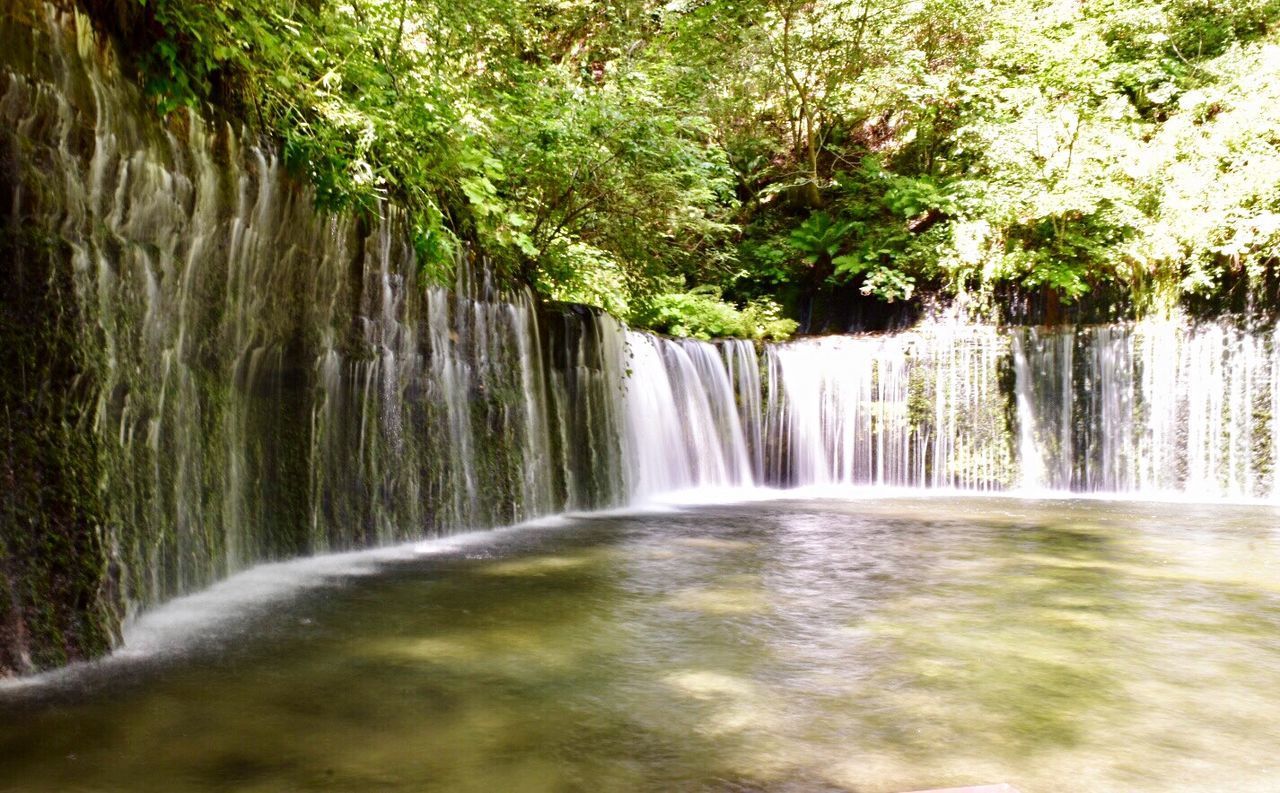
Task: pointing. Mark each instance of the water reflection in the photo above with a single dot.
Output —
(872, 645)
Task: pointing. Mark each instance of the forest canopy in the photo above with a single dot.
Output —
(702, 167)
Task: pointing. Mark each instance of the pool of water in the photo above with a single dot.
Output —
(789, 645)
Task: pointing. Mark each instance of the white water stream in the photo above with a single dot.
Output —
(1153, 408)
(262, 381)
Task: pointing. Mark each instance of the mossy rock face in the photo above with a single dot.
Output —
(57, 598)
(201, 372)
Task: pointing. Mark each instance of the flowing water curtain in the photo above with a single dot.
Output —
(187, 255)
(265, 380)
(587, 361)
(684, 426)
(1044, 362)
(712, 419)
(1159, 406)
(1156, 406)
(970, 442)
(431, 412)
(1227, 380)
(921, 408)
(257, 380)
(742, 364)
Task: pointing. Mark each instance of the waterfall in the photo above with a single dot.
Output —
(918, 409)
(215, 374)
(587, 351)
(203, 372)
(267, 380)
(685, 426)
(1152, 407)
(1044, 363)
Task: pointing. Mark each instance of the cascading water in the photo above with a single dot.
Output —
(1043, 363)
(917, 409)
(261, 381)
(271, 381)
(685, 427)
(1156, 406)
(742, 365)
(1160, 406)
(258, 380)
(203, 372)
(587, 353)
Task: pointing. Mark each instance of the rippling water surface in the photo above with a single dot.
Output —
(818, 645)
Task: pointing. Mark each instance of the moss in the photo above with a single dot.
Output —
(1008, 381)
(57, 603)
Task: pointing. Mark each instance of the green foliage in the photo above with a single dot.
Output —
(360, 112)
(1064, 148)
(701, 314)
(819, 237)
(696, 314)
(611, 168)
(489, 121)
(602, 152)
(763, 319)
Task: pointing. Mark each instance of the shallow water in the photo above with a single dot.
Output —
(817, 645)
